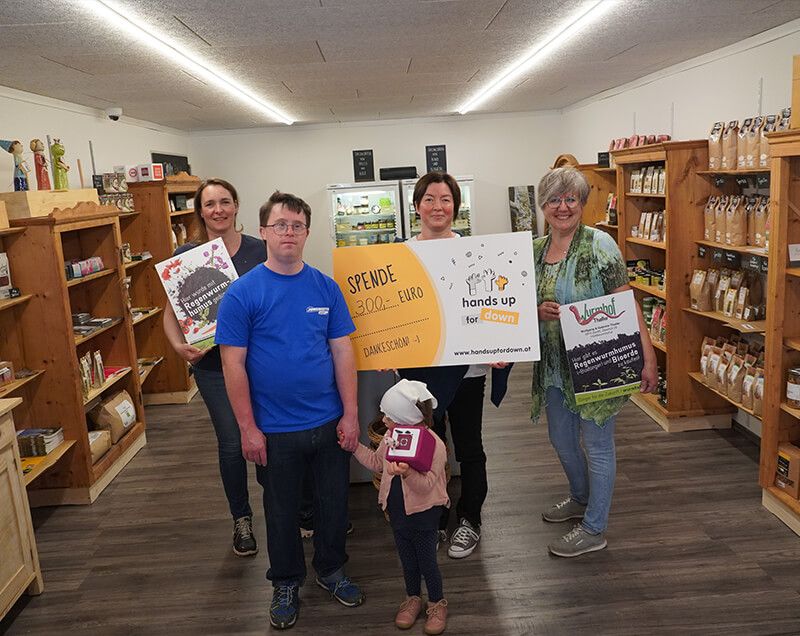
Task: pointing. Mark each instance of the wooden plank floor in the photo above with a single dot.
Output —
(691, 550)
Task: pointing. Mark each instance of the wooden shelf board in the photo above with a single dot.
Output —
(679, 422)
(109, 462)
(82, 339)
(793, 271)
(94, 276)
(133, 264)
(649, 289)
(608, 226)
(645, 195)
(742, 326)
(783, 506)
(147, 316)
(742, 249)
(790, 410)
(605, 170)
(743, 171)
(128, 215)
(6, 389)
(660, 346)
(148, 369)
(640, 241)
(7, 231)
(11, 302)
(111, 381)
(42, 464)
(180, 213)
(698, 377)
(792, 343)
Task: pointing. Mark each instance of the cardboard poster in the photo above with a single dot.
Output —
(195, 282)
(441, 302)
(604, 346)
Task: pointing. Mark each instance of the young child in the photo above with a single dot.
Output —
(414, 502)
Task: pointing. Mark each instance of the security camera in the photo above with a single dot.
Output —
(114, 113)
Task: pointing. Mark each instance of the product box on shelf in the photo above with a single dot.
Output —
(99, 443)
(787, 472)
(115, 414)
(150, 172)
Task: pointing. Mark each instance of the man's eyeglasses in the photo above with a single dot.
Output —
(555, 202)
(281, 227)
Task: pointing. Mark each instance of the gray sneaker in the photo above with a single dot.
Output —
(564, 511)
(576, 542)
(464, 540)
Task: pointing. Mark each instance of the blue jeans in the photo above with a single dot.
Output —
(591, 470)
(232, 465)
(288, 457)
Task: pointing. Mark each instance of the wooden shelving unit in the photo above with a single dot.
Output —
(40, 337)
(170, 382)
(688, 406)
(781, 423)
(602, 182)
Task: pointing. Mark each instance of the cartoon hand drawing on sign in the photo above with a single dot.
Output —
(488, 279)
(472, 282)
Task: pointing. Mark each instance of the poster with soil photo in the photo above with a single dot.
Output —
(195, 282)
(604, 346)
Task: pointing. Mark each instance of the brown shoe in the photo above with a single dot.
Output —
(437, 618)
(409, 610)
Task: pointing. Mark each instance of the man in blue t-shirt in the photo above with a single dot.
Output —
(290, 376)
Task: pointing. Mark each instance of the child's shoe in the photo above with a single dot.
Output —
(409, 610)
(437, 618)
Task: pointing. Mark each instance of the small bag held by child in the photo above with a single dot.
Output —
(413, 445)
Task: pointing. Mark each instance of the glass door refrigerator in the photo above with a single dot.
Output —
(463, 221)
(365, 213)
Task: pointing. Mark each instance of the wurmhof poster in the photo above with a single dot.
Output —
(195, 282)
(441, 302)
(604, 346)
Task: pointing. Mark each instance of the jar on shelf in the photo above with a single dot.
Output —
(793, 388)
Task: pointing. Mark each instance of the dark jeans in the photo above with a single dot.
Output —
(232, 465)
(288, 457)
(465, 414)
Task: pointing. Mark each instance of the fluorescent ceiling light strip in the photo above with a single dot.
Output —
(572, 27)
(144, 33)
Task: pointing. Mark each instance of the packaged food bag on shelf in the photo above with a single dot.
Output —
(753, 148)
(710, 219)
(730, 144)
(99, 443)
(115, 414)
(741, 143)
(787, 469)
(719, 219)
(770, 124)
(715, 146)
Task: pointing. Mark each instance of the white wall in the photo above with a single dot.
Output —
(25, 116)
(499, 151)
(749, 78)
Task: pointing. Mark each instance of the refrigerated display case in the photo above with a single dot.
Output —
(462, 224)
(365, 213)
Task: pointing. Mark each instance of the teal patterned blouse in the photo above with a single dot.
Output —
(592, 267)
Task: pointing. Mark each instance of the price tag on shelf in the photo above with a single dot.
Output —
(734, 259)
(762, 181)
(764, 265)
(719, 181)
(741, 182)
(716, 256)
(701, 250)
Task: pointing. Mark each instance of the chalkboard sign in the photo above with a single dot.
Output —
(752, 263)
(762, 181)
(716, 256)
(436, 158)
(741, 181)
(719, 181)
(363, 165)
(734, 259)
(701, 250)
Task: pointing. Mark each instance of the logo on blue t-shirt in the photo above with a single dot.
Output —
(322, 311)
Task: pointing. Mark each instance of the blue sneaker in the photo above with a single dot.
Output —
(285, 606)
(344, 591)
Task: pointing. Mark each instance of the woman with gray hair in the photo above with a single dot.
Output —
(573, 263)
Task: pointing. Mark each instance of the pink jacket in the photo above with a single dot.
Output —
(421, 491)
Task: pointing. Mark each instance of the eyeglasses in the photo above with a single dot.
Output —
(281, 227)
(555, 202)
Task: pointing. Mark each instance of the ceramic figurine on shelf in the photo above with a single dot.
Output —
(21, 169)
(40, 165)
(60, 181)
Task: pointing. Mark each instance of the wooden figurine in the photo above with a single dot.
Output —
(60, 181)
(21, 169)
(40, 165)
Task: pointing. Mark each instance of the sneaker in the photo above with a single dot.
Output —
(564, 511)
(344, 591)
(285, 607)
(437, 618)
(441, 537)
(576, 542)
(409, 611)
(464, 540)
(308, 533)
(244, 543)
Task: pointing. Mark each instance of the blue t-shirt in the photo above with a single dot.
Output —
(251, 252)
(285, 322)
